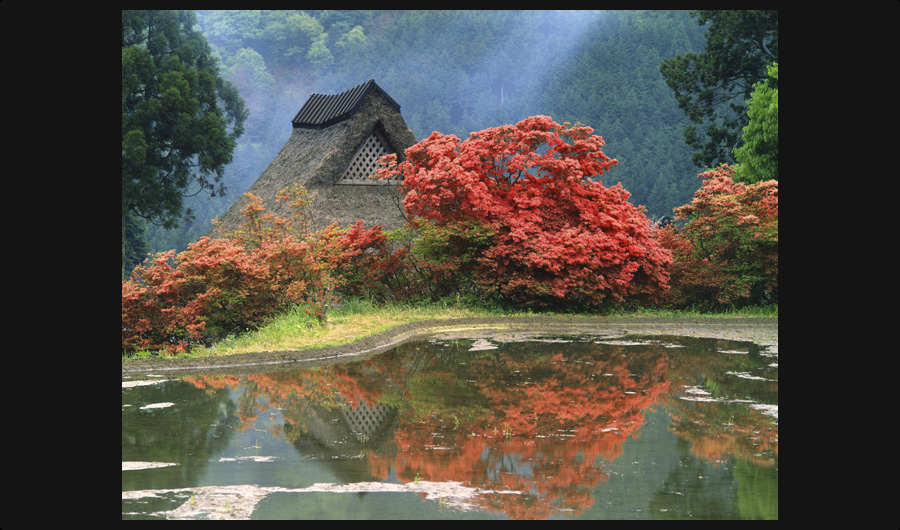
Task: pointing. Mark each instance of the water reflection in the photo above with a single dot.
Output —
(548, 420)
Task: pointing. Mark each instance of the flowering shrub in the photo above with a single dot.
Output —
(515, 209)
(511, 213)
(216, 287)
(365, 263)
(443, 256)
(727, 253)
(266, 266)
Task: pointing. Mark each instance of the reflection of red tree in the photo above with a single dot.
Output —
(548, 421)
(531, 423)
(212, 383)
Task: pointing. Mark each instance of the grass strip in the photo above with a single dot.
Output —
(355, 319)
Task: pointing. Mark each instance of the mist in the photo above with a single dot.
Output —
(458, 72)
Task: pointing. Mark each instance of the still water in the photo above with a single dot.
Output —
(555, 427)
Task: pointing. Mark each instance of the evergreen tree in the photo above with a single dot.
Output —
(758, 157)
(180, 120)
(711, 87)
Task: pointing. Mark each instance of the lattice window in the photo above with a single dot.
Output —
(365, 161)
(366, 420)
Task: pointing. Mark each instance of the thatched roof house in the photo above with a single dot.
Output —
(333, 149)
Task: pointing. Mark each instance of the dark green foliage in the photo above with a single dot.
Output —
(758, 157)
(712, 87)
(180, 120)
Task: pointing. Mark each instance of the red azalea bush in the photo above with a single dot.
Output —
(365, 262)
(214, 288)
(220, 286)
(515, 209)
(726, 255)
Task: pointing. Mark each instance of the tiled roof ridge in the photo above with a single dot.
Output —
(323, 110)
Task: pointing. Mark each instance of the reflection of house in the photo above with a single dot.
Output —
(341, 431)
(365, 421)
(333, 149)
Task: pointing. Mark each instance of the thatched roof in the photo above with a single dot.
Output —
(331, 152)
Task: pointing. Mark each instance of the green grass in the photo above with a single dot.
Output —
(348, 322)
(355, 319)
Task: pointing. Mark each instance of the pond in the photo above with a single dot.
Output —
(548, 427)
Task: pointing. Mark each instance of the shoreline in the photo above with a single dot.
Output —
(760, 330)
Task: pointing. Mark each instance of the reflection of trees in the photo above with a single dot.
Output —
(717, 430)
(723, 427)
(200, 429)
(529, 417)
(717, 426)
(525, 417)
(546, 413)
(698, 488)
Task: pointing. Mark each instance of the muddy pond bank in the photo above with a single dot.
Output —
(762, 331)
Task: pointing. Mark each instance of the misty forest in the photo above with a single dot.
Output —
(461, 71)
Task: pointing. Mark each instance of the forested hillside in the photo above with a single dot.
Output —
(457, 72)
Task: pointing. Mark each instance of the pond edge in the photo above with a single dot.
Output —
(761, 330)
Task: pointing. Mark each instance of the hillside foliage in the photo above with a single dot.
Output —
(462, 71)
